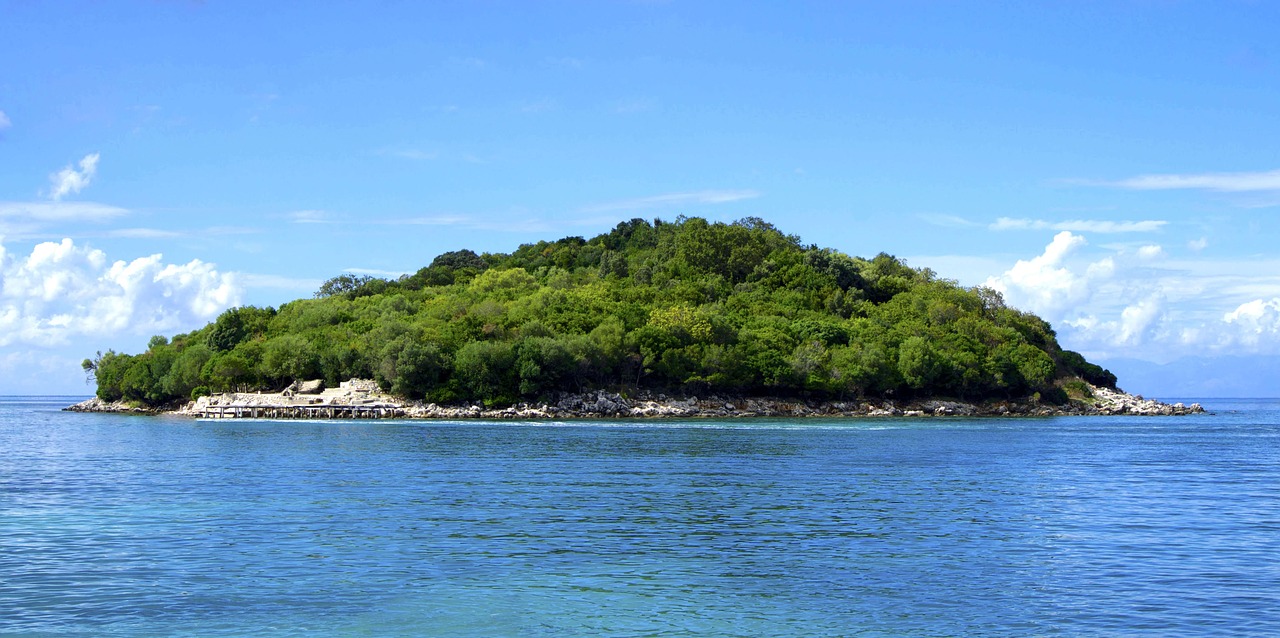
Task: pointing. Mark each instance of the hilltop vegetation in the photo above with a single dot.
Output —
(687, 306)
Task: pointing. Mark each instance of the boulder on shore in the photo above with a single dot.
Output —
(314, 386)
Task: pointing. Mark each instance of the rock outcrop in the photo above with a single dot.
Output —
(1113, 402)
(116, 407)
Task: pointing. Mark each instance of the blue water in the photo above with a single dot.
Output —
(123, 526)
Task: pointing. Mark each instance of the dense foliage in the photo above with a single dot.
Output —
(687, 306)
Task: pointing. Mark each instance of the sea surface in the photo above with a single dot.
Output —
(1069, 526)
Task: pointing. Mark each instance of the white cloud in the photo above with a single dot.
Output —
(5, 122)
(1255, 322)
(143, 233)
(231, 230)
(1137, 320)
(1101, 269)
(1138, 324)
(948, 221)
(69, 181)
(62, 291)
(1089, 298)
(311, 217)
(408, 153)
(1044, 284)
(1198, 244)
(1225, 182)
(1137, 302)
(414, 154)
(434, 220)
(60, 211)
(675, 199)
(1150, 252)
(1079, 225)
(516, 221)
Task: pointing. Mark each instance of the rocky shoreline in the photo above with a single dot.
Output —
(113, 407)
(355, 396)
(607, 405)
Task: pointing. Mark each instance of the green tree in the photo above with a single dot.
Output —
(237, 324)
(486, 370)
(413, 369)
(917, 362)
(184, 375)
(287, 358)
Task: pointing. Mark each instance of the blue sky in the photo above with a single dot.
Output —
(1111, 166)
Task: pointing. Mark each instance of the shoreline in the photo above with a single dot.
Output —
(359, 399)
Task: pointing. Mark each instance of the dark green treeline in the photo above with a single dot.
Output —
(685, 306)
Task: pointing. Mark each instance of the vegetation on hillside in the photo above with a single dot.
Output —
(686, 306)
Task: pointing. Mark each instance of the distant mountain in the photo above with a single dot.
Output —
(1195, 377)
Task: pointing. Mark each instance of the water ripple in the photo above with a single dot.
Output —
(123, 526)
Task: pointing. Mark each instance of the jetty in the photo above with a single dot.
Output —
(300, 411)
(354, 399)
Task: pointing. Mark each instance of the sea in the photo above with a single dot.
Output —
(117, 525)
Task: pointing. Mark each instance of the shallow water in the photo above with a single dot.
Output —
(116, 525)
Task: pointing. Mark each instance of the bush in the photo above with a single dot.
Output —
(1077, 389)
(1053, 395)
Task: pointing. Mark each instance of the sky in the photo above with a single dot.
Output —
(1109, 166)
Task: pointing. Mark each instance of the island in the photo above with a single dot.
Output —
(652, 319)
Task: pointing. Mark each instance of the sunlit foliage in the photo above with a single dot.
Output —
(684, 306)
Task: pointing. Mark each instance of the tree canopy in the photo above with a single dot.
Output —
(686, 306)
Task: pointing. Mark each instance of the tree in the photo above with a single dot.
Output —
(237, 324)
(228, 372)
(811, 365)
(413, 369)
(917, 362)
(460, 259)
(342, 284)
(287, 358)
(486, 370)
(545, 365)
(185, 373)
(109, 371)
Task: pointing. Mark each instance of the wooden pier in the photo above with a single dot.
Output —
(302, 411)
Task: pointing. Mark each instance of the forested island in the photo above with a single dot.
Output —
(688, 307)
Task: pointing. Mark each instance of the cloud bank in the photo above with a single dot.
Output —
(62, 291)
(1256, 323)
(1135, 303)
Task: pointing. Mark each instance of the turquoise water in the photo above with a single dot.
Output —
(123, 526)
